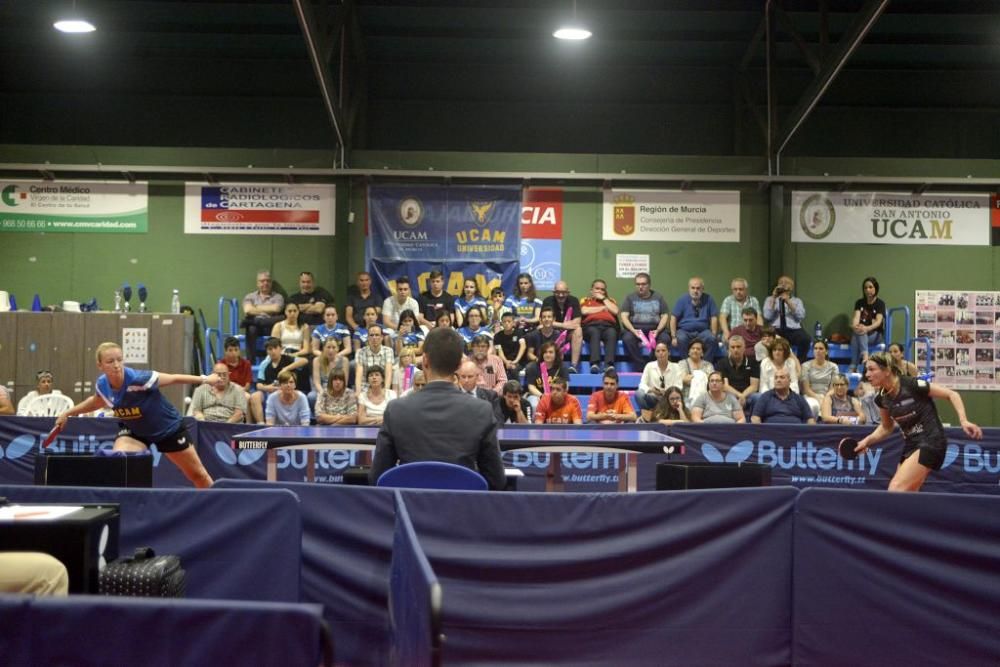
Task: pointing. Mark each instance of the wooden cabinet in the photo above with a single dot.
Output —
(65, 344)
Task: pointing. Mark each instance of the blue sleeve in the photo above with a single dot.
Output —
(758, 406)
(139, 377)
(303, 409)
(678, 310)
(713, 308)
(269, 408)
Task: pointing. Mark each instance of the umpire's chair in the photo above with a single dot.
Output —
(432, 475)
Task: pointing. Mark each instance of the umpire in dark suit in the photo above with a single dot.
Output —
(440, 422)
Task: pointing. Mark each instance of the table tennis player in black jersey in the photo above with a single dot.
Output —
(909, 402)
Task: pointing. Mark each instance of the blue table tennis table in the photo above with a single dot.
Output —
(630, 442)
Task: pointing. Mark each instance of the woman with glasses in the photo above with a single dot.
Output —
(670, 409)
(838, 407)
(656, 377)
(717, 406)
(909, 402)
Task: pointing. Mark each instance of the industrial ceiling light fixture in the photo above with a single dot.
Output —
(573, 31)
(74, 23)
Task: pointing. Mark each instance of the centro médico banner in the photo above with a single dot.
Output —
(73, 206)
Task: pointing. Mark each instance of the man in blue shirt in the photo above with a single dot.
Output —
(145, 416)
(781, 405)
(695, 316)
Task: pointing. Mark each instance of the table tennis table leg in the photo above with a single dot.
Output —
(628, 472)
(553, 475)
(272, 465)
(311, 465)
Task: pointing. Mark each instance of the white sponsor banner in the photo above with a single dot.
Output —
(885, 217)
(668, 215)
(626, 266)
(73, 206)
(962, 327)
(259, 208)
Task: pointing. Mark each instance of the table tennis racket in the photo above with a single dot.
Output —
(50, 438)
(846, 449)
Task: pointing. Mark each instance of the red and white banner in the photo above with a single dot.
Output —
(259, 208)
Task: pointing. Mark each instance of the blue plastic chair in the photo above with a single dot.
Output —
(432, 475)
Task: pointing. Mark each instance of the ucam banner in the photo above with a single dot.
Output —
(463, 231)
(259, 208)
(71, 206)
(669, 215)
(890, 218)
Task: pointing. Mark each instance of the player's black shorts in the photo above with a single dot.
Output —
(930, 454)
(176, 442)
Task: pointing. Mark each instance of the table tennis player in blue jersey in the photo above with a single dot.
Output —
(145, 416)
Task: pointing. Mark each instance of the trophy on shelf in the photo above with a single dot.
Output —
(142, 297)
(127, 297)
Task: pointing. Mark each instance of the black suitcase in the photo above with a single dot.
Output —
(144, 575)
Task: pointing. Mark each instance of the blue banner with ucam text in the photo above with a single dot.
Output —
(462, 230)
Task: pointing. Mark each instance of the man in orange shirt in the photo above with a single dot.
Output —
(610, 406)
(558, 407)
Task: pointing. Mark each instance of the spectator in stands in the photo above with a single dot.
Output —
(435, 301)
(781, 405)
(402, 377)
(750, 331)
(866, 394)
(817, 376)
(716, 406)
(609, 405)
(395, 305)
(868, 325)
(513, 408)
(409, 334)
(331, 328)
(373, 355)
(838, 407)
(779, 355)
(295, 341)
(369, 319)
(32, 573)
(337, 404)
(740, 373)
(558, 406)
(468, 381)
(510, 345)
(240, 370)
(525, 304)
(311, 300)
(287, 406)
(359, 298)
(474, 328)
(731, 310)
(656, 377)
(43, 387)
(419, 382)
(267, 375)
(762, 349)
(566, 317)
(373, 399)
(262, 309)
(786, 313)
(471, 298)
(6, 405)
(496, 309)
(600, 325)
(670, 409)
(539, 375)
(491, 368)
(328, 361)
(645, 317)
(222, 401)
(906, 368)
(444, 320)
(694, 372)
(545, 333)
(695, 317)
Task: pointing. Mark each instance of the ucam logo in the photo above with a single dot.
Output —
(801, 455)
(230, 456)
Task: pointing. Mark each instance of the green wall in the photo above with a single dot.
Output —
(203, 267)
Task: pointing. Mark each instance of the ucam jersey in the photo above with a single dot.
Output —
(522, 306)
(339, 331)
(139, 404)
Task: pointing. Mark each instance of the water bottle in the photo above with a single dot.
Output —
(818, 331)
(117, 302)
(175, 302)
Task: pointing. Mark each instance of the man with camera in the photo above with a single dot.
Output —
(786, 314)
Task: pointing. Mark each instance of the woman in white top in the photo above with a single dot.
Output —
(656, 377)
(371, 403)
(717, 406)
(779, 354)
(292, 334)
(817, 376)
(695, 372)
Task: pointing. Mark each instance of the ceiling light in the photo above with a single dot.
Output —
(74, 25)
(572, 31)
